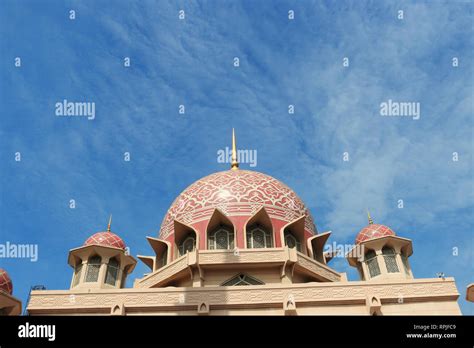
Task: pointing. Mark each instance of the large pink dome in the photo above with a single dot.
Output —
(236, 193)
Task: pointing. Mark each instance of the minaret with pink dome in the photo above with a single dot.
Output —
(102, 262)
(381, 254)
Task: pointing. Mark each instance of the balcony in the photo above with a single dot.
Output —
(209, 259)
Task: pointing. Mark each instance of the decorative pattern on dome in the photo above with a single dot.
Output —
(106, 239)
(373, 231)
(5, 282)
(239, 192)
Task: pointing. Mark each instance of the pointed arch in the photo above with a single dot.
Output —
(162, 249)
(220, 225)
(295, 229)
(148, 260)
(262, 220)
(186, 239)
(315, 246)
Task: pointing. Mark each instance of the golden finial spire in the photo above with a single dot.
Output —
(235, 164)
(370, 219)
(110, 223)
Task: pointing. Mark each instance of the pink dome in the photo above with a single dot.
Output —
(5, 282)
(105, 239)
(373, 231)
(236, 193)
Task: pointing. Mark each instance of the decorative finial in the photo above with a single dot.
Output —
(235, 164)
(370, 219)
(110, 223)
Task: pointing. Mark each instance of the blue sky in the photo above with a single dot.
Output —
(190, 62)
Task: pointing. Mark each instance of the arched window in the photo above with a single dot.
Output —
(93, 267)
(257, 237)
(390, 259)
(222, 238)
(77, 274)
(189, 244)
(112, 272)
(372, 263)
(291, 241)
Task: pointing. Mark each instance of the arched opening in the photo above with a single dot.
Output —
(113, 268)
(185, 238)
(116, 309)
(315, 246)
(389, 256)
(221, 238)
(162, 251)
(259, 231)
(220, 232)
(291, 241)
(259, 237)
(93, 268)
(293, 237)
(187, 245)
(372, 263)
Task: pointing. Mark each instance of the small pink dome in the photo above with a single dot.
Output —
(105, 239)
(373, 231)
(6, 284)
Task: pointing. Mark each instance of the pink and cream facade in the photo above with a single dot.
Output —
(241, 242)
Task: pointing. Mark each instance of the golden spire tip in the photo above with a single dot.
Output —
(110, 223)
(235, 164)
(370, 219)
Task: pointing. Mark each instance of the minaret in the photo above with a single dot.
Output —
(235, 163)
(380, 253)
(102, 262)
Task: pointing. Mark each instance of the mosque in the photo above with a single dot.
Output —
(240, 242)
